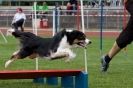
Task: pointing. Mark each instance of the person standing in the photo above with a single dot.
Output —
(59, 8)
(19, 19)
(125, 38)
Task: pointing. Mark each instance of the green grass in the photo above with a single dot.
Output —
(119, 75)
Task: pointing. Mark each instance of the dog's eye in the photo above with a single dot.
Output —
(81, 38)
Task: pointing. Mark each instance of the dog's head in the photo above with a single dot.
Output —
(77, 37)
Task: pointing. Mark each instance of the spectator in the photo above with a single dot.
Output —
(44, 9)
(108, 2)
(59, 8)
(74, 8)
(92, 3)
(73, 2)
(69, 9)
(37, 10)
(19, 19)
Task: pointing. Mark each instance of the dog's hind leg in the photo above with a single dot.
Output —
(32, 56)
(11, 60)
(15, 56)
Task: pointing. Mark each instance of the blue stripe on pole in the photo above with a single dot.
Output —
(56, 18)
(101, 25)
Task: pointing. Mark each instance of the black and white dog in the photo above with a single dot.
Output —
(59, 46)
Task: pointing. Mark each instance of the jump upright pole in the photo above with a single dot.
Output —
(56, 18)
(53, 23)
(78, 21)
(33, 19)
(3, 36)
(83, 29)
(35, 31)
(54, 80)
(101, 27)
(78, 17)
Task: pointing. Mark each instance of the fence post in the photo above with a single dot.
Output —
(87, 19)
(118, 25)
(7, 20)
(0, 1)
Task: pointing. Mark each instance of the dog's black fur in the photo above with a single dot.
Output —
(33, 46)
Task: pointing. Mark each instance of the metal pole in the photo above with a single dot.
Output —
(62, 4)
(117, 19)
(3, 36)
(83, 29)
(78, 17)
(56, 18)
(35, 31)
(87, 19)
(106, 18)
(10, 4)
(7, 20)
(19, 3)
(33, 22)
(53, 22)
(101, 28)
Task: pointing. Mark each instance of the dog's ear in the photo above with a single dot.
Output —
(63, 32)
(64, 29)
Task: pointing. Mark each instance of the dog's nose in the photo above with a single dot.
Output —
(87, 41)
(90, 42)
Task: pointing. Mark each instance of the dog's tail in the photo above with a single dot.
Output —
(20, 34)
(13, 32)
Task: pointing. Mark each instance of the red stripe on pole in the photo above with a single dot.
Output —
(78, 17)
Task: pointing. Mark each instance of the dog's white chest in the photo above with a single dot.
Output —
(64, 43)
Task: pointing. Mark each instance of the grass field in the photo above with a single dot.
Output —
(119, 75)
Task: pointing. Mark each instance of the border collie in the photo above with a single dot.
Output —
(59, 46)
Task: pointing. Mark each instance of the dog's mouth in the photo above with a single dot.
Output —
(82, 45)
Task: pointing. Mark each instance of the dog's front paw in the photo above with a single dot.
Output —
(68, 60)
(74, 55)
